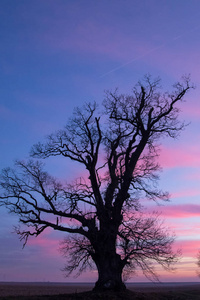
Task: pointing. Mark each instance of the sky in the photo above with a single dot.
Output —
(55, 55)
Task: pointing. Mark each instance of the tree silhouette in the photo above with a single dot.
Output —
(118, 146)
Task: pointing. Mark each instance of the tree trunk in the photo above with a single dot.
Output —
(109, 268)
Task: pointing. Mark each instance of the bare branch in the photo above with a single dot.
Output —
(119, 149)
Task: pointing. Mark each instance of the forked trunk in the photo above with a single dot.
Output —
(109, 268)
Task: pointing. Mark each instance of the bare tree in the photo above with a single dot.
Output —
(119, 148)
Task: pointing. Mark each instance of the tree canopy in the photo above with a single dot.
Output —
(118, 145)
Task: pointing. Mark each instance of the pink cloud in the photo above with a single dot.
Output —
(186, 193)
(189, 248)
(46, 242)
(189, 156)
(42, 241)
(193, 111)
(185, 229)
(178, 211)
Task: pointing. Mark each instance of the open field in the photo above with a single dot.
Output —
(71, 291)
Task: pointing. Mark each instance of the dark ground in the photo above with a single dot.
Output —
(171, 291)
(128, 295)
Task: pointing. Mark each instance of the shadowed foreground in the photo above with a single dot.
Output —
(49, 291)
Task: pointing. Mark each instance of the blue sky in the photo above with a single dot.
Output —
(56, 55)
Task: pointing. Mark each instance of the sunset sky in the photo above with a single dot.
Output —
(56, 55)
